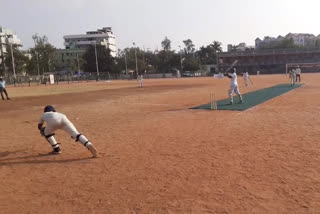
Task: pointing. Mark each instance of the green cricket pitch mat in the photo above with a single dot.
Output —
(251, 99)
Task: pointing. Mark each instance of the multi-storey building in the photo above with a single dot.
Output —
(69, 60)
(102, 37)
(7, 38)
(299, 39)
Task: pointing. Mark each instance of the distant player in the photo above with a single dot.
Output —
(246, 78)
(298, 73)
(293, 77)
(55, 121)
(140, 80)
(234, 86)
(3, 89)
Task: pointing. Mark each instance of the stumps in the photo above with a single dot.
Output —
(213, 102)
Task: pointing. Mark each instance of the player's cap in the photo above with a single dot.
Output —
(49, 109)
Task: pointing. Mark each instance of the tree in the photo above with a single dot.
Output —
(77, 64)
(167, 60)
(189, 49)
(43, 53)
(208, 55)
(166, 44)
(20, 60)
(105, 60)
(217, 46)
(191, 64)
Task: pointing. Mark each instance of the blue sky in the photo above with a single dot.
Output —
(147, 22)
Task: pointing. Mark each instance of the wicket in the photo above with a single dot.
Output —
(213, 102)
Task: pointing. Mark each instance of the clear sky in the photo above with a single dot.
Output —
(147, 22)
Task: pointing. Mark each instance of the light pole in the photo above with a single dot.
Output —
(78, 65)
(13, 67)
(143, 58)
(95, 50)
(10, 40)
(34, 39)
(135, 52)
(125, 60)
(180, 57)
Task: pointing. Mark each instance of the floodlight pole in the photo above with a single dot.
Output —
(135, 52)
(34, 39)
(95, 50)
(13, 67)
(125, 60)
(180, 57)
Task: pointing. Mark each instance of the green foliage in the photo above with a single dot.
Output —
(105, 60)
(166, 44)
(208, 55)
(191, 64)
(166, 60)
(21, 60)
(43, 54)
(189, 49)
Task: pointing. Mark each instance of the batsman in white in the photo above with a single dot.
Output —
(234, 86)
(140, 80)
(293, 77)
(55, 121)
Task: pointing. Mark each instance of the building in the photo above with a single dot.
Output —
(68, 60)
(102, 37)
(300, 39)
(7, 38)
(267, 61)
(240, 47)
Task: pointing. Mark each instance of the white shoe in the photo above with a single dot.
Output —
(92, 149)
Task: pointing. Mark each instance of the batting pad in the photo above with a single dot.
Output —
(251, 99)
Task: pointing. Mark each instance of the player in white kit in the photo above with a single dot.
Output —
(293, 77)
(298, 73)
(234, 86)
(246, 78)
(140, 80)
(55, 121)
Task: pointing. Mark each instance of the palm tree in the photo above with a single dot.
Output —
(217, 46)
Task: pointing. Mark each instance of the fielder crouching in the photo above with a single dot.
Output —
(57, 121)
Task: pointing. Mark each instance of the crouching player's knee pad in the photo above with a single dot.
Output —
(50, 138)
(83, 140)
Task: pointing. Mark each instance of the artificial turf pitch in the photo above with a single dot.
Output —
(251, 99)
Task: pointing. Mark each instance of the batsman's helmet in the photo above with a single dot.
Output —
(48, 109)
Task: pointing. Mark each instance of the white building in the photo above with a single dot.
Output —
(7, 37)
(299, 39)
(102, 37)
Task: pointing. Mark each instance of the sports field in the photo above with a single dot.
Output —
(159, 156)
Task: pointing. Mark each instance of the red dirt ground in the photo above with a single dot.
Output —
(158, 156)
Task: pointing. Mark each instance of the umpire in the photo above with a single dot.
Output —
(3, 89)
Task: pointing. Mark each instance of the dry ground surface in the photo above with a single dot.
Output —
(158, 156)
